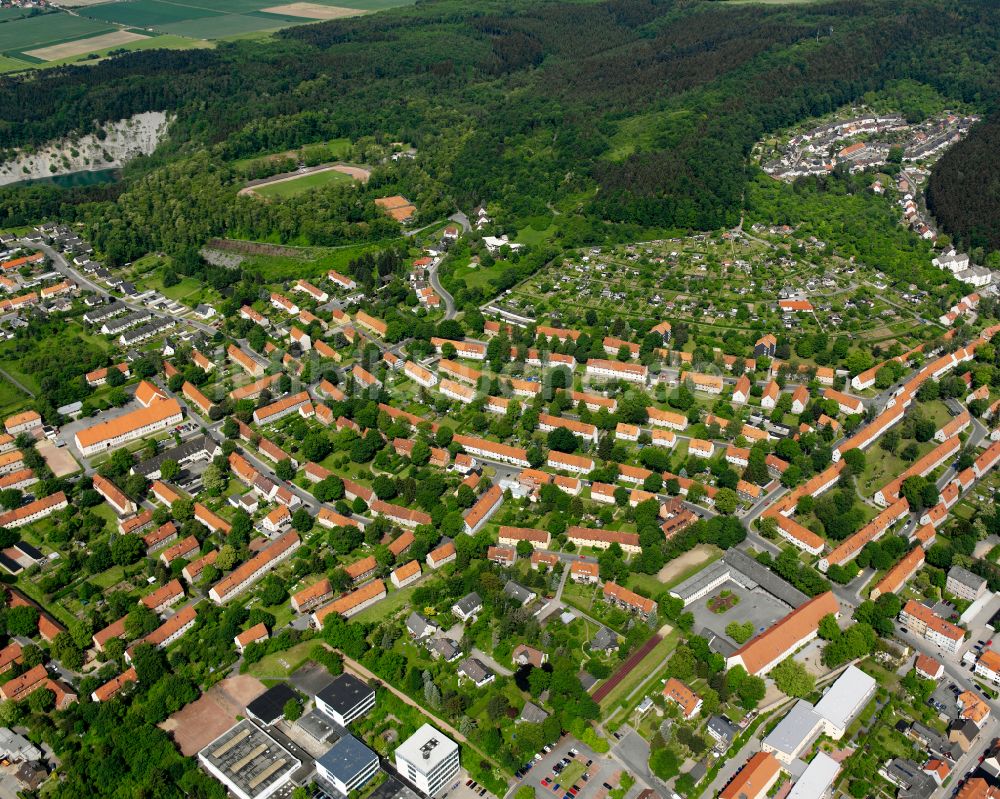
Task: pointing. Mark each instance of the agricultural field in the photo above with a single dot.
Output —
(224, 18)
(95, 30)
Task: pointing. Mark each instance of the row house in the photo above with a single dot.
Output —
(248, 573)
(352, 603)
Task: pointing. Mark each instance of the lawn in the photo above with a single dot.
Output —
(644, 582)
(389, 606)
(281, 664)
(11, 399)
(479, 276)
(188, 291)
(296, 186)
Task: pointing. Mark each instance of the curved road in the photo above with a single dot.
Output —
(449, 301)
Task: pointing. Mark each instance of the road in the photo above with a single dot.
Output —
(449, 301)
(954, 672)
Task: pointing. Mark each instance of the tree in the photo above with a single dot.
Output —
(524, 549)
(302, 520)
(127, 549)
(725, 501)
(740, 632)
(42, 700)
(293, 709)
(140, 622)
(284, 469)
(169, 470)
(22, 621)
(562, 440)
(792, 678)
(226, 558)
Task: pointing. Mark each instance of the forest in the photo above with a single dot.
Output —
(964, 190)
(628, 115)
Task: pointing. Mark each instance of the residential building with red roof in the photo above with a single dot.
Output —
(248, 573)
(764, 651)
(899, 574)
(687, 700)
(628, 600)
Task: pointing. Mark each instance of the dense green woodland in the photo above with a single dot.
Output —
(964, 190)
(628, 115)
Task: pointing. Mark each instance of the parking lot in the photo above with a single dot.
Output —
(551, 784)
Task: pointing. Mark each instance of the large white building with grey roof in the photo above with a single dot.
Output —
(428, 759)
(839, 706)
(249, 762)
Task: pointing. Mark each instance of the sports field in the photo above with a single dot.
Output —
(296, 186)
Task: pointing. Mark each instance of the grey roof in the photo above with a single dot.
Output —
(469, 603)
(16, 747)
(697, 582)
(447, 648)
(418, 625)
(475, 670)
(533, 714)
(603, 639)
(347, 758)
(966, 727)
(717, 643)
(966, 578)
(795, 729)
(518, 592)
(723, 727)
(392, 788)
(182, 453)
(270, 705)
(765, 578)
(846, 697)
(816, 779)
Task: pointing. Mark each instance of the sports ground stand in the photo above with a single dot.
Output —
(269, 707)
(743, 570)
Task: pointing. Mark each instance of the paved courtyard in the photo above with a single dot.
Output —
(757, 606)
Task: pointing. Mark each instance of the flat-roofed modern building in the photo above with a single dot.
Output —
(839, 706)
(428, 759)
(347, 765)
(345, 699)
(249, 762)
(816, 780)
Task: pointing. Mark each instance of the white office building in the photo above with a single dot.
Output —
(428, 759)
